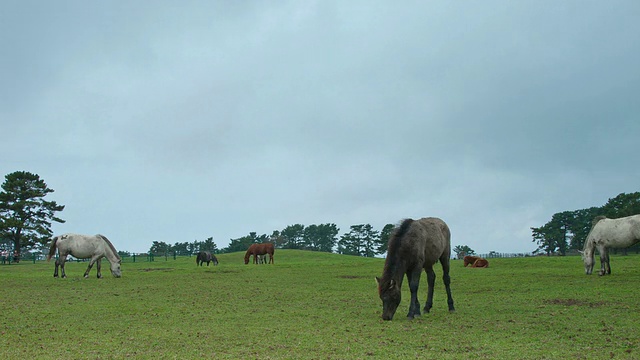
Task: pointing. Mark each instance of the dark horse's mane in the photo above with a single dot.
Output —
(393, 246)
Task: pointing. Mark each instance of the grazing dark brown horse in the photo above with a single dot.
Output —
(259, 249)
(476, 262)
(205, 256)
(415, 245)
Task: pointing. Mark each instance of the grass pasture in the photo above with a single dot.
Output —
(318, 306)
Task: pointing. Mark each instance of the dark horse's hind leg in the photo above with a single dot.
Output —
(414, 281)
(431, 281)
(447, 282)
(55, 272)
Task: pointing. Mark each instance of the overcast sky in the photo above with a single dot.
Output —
(175, 121)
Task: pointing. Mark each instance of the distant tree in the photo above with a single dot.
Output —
(194, 246)
(160, 248)
(240, 244)
(277, 239)
(581, 226)
(383, 239)
(320, 237)
(327, 237)
(360, 240)
(310, 238)
(25, 217)
(554, 235)
(349, 244)
(462, 250)
(622, 205)
(370, 238)
(181, 248)
(293, 236)
(209, 245)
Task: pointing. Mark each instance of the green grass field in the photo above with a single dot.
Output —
(318, 306)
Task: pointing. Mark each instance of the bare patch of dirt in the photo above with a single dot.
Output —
(224, 271)
(574, 302)
(156, 269)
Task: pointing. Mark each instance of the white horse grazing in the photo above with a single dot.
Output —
(84, 247)
(609, 233)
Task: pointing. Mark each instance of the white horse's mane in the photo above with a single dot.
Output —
(113, 249)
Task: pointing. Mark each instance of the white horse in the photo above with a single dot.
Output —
(84, 247)
(609, 233)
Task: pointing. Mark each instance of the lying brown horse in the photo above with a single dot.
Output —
(476, 262)
(259, 249)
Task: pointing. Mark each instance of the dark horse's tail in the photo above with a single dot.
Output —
(52, 249)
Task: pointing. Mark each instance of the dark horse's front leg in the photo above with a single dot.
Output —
(414, 281)
(447, 282)
(60, 262)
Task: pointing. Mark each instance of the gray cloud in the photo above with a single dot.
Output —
(176, 123)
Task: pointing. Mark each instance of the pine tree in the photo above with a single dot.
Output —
(25, 217)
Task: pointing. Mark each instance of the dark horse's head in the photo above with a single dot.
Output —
(390, 295)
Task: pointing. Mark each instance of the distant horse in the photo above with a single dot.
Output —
(262, 259)
(609, 233)
(475, 262)
(413, 246)
(84, 247)
(259, 249)
(205, 256)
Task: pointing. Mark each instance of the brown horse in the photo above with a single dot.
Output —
(259, 249)
(476, 262)
(415, 245)
(469, 260)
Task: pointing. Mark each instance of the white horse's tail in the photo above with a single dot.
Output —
(52, 249)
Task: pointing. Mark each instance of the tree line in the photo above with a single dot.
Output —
(26, 218)
(569, 229)
(360, 240)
